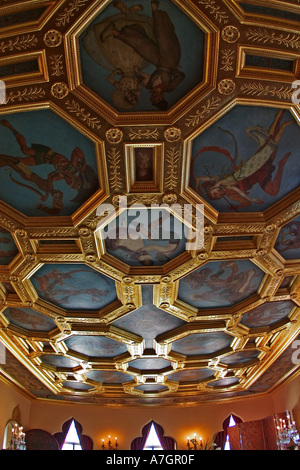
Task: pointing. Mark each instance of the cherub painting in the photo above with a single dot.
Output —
(243, 181)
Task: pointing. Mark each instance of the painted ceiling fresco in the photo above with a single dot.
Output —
(287, 242)
(251, 168)
(170, 106)
(79, 288)
(220, 284)
(39, 180)
(166, 242)
(125, 48)
(8, 249)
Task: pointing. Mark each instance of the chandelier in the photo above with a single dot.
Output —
(17, 440)
(287, 434)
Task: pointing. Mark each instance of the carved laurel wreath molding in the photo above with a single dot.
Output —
(75, 108)
(219, 15)
(172, 158)
(265, 36)
(19, 43)
(65, 17)
(211, 105)
(114, 160)
(140, 134)
(27, 94)
(258, 89)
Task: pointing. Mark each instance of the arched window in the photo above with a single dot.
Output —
(7, 433)
(72, 441)
(152, 442)
(71, 437)
(222, 439)
(230, 424)
(153, 438)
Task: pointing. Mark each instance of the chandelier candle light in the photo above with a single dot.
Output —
(17, 440)
(194, 443)
(109, 444)
(287, 432)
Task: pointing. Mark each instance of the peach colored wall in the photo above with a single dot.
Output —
(127, 423)
(9, 400)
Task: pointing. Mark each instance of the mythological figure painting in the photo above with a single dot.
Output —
(220, 284)
(246, 161)
(267, 314)
(157, 239)
(288, 241)
(139, 56)
(74, 287)
(29, 319)
(201, 343)
(96, 346)
(46, 167)
(8, 249)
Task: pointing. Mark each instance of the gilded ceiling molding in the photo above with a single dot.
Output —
(73, 107)
(59, 90)
(180, 328)
(230, 34)
(53, 38)
(211, 105)
(19, 43)
(114, 136)
(226, 86)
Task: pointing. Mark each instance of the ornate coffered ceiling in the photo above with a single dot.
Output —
(91, 318)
